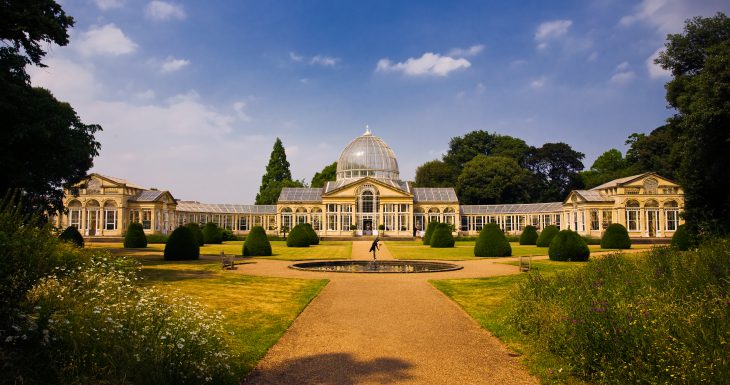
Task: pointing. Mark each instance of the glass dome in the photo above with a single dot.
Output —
(367, 155)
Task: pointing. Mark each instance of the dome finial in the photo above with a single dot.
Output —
(367, 130)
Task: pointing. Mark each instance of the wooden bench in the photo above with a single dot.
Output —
(525, 263)
(227, 262)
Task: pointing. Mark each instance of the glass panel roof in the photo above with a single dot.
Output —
(525, 208)
(197, 207)
(301, 194)
(367, 155)
(434, 194)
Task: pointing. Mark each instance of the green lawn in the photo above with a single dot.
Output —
(486, 300)
(258, 310)
(462, 251)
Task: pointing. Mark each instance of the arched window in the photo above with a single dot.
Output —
(449, 216)
(286, 219)
(434, 215)
(671, 215)
(301, 215)
(74, 213)
(672, 204)
(651, 203)
(316, 218)
(368, 199)
(632, 215)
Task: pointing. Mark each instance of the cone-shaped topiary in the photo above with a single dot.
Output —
(182, 245)
(568, 245)
(492, 242)
(546, 236)
(257, 243)
(616, 237)
(212, 234)
(313, 237)
(528, 236)
(297, 237)
(429, 232)
(195, 228)
(135, 238)
(681, 239)
(442, 237)
(71, 234)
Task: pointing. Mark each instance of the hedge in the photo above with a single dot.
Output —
(442, 237)
(135, 238)
(182, 245)
(681, 239)
(429, 232)
(313, 238)
(212, 234)
(568, 245)
(492, 242)
(297, 237)
(195, 228)
(257, 244)
(547, 235)
(529, 236)
(616, 237)
(72, 235)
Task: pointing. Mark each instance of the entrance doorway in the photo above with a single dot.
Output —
(367, 226)
(651, 222)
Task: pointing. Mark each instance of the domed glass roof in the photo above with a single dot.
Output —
(367, 155)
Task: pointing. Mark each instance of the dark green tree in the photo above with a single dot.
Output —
(257, 243)
(135, 237)
(493, 179)
(616, 237)
(327, 174)
(442, 237)
(430, 228)
(298, 237)
(197, 231)
(182, 245)
(72, 235)
(212, 234)
(492, 242)
(528, 236)
(557, 166)
(659, 151)
(569, 246)
(270, 194)
(699, 60)
(462, 149)
(26, 25)
(276, 177)
(436, 173)
(609, 166)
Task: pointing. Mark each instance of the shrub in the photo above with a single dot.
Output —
(616, 237)
(212, 234)
(592, 240)
(135, 237)
(681, 239)
(492, 242)
(442, 237)
(529, 236)
(182, 245)
(568, 246)
(72, 235)
(313, 238)
(257, 244)
(546, 236)
(429, 232)
(195, 228)
(298, 237)
(157, 238)
(227, 235)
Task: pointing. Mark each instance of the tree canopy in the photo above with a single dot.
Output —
(277, 176)
(557, 167)
(493, 180)
(464, 148)
(27, 24)
(328, 173)
(436, 173)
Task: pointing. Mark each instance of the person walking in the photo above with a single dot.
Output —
(375, 246)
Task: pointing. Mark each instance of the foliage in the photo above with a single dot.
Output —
(257, 244)
(195, 228)
(698, 61)
(135, 237)
(592, 240)
(658, 152)
(381, 227)
(608, 166)
(72, 235)
(492, 242)
(436, 173)
(313, 237)
(442, 236)
(430, 228)
(227, 235)
(681, 239)
(493, 180)
(212, 234)
(157, 238)
(297, 237)
(277, 172)
(270, 194)
(463, 149)
(568, 245)
(328, 173)
(182, 245)
(556, 167)
(546, 236)
(528, 236)
(659, 319)
(616, 237)
(26, 25)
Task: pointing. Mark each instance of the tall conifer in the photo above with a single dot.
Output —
(276, 176)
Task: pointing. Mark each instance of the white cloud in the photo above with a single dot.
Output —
(107, 40)
(622, 78)
(294, 57)
(539, 82)
(325, 61)
(668, 16)
(108, 4)
(162, 10)
(467, 52)
(428, 64)
(171, 64)
(145, 95)
(67, 80)
(655, 70)
(622, 66)
(552, 29)
(240, 108)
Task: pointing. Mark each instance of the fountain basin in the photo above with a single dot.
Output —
(376, 266)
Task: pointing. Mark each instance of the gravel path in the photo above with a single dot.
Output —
(361, 250)
(385, 329)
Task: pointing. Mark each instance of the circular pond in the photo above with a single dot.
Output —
(376, 266)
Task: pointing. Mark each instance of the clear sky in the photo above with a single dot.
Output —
(191, 95)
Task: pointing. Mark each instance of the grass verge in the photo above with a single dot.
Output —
(462, 251)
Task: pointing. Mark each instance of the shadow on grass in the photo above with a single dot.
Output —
(333, 369)
(168, 275)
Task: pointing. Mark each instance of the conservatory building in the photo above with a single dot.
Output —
(368, 198)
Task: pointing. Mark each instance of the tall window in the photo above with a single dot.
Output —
(286, 218)
(147, 219)
(671, 213)
(434, 215)
(595, 225)
(606, 218)
(110, 216)
(332, 217)
(243, 223)
(74, 218)
(301, 215)
(449, 216)
(632, 216)
(134, 216)
(317, 218)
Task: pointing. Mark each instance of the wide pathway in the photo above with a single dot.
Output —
(385, 329)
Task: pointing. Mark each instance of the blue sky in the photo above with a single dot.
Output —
(191, 95)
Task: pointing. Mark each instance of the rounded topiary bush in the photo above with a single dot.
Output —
(195, 228)
(616, 237)
(429, 232)
(257, 243)
(528, 236)
(313, 237)
(182, 245)
(212, 234)
(681, 239)
(442, 237)
(568, 245)
(135, 238)
(492, 242)
(72, 235)
(298, 237)
(546, 236)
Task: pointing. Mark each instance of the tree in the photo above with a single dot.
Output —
(462, 149)
(699, 60)
(276, 176)
(659, 152)
(491, 180)
(557, 166)
(328, 173)
(26, 24)
(435, 173)
(609, 166)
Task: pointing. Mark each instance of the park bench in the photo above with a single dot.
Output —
(525, 263)
(227, 262)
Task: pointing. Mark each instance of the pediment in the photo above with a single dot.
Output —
(350, 190)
